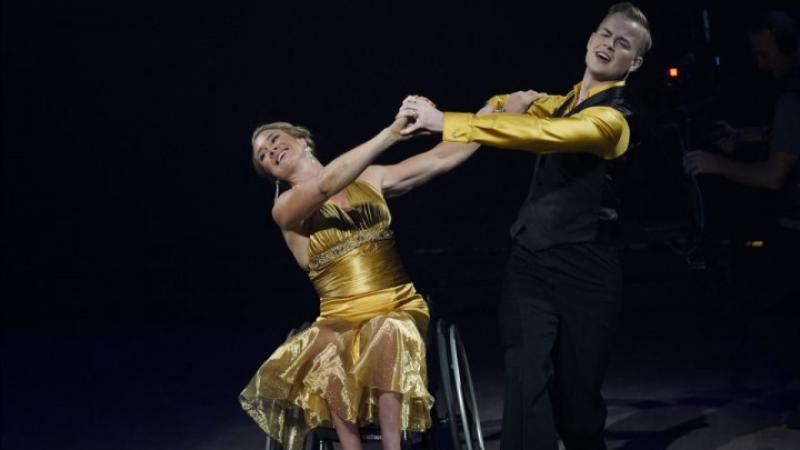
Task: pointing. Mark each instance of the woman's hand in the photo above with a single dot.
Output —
(520, 101)
(423, 115)
(409, 112)
(486, 109)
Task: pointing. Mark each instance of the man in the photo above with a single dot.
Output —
(561, 290)
(774, 42)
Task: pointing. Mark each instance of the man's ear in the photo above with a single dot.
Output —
(635, 64)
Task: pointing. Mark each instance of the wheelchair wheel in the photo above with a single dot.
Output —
(272, 444)
(462, 407)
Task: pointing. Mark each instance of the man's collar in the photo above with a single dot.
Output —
(597, 89)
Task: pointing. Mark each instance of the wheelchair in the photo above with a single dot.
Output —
(455, 418)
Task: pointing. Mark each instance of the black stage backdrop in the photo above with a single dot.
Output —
(129, 198)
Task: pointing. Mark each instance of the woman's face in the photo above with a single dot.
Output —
(278, 152)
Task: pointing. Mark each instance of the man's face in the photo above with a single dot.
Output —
(613, 50)
(767, 54)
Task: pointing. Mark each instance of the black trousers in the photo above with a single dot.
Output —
(558, 310)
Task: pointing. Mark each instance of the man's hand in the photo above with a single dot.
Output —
(727, 144)
(423, 115)
(731, 141)
(520, 101)
(700, 161)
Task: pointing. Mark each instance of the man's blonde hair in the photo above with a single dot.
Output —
(632, 12)
(295, 131)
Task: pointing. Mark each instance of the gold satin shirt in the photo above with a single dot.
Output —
(601, 130)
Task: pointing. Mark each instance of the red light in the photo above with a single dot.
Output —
(673, 72)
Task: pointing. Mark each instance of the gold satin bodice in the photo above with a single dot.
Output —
(331, 224)
(353, 263)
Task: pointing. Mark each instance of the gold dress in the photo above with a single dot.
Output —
(367, 338)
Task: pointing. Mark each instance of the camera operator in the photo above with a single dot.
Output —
(774, 42)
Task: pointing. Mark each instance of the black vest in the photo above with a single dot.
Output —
(569, 193)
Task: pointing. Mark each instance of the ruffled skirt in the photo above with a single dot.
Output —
(358, 347)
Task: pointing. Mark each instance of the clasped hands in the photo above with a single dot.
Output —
(423, 117)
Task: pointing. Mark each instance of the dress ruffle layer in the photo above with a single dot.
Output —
(341, 365)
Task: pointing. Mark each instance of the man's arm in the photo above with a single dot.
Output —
(769, 174)
(600, 130)
(783, 155)
(734, 137)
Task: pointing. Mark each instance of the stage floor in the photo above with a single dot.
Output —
(683, 375)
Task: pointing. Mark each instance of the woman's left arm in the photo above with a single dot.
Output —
(397, 179)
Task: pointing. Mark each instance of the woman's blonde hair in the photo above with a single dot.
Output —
(295, 131)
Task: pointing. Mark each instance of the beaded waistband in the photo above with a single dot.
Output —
(347, 244)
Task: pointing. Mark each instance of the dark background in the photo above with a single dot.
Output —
(129, 196)
(130, 204)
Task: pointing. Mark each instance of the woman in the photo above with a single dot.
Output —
(363, 359)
